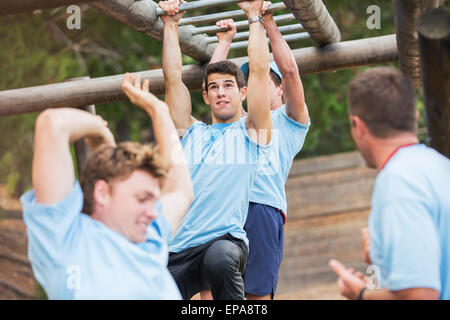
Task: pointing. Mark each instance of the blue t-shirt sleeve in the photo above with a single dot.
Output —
(406, 240)
(189, 130)
(52, 229)
(293, 133)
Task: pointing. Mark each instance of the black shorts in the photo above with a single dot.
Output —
(217, 265)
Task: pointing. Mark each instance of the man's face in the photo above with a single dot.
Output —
(224, 97)
(131, 205)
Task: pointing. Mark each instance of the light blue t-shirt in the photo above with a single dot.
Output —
(76, 257)
(288, 137)
(410, 221)
(223, 161)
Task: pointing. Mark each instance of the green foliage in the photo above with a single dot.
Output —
(16, 153)
(12, 182)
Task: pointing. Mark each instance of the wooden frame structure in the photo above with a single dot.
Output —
(434, 45)
(107, 89)
(407, 13)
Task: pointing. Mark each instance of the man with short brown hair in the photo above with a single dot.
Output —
(410, 214)
(210, 250)
(268, 206)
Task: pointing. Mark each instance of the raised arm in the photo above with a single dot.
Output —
(258, 99)
(53, 172)
(177, 192)
(177, 95)
(292, 85)
(224, 40)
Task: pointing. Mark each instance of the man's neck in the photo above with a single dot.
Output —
(384, 148)
(235, 118)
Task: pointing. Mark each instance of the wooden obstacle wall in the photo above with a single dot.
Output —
(328, 205)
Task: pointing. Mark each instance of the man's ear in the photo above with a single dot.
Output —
(205, 97)
(243, 93)
(102, 193)
(281, 90)
(358, 125)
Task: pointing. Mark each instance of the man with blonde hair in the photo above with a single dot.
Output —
(107, 239)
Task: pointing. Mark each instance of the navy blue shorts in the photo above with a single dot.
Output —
(264, 227)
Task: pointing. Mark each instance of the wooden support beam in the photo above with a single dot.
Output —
(434, 44)
(20, 6)
(141, 16)
(316, 20)
(81, 147)
(407, 13)
(107, 89)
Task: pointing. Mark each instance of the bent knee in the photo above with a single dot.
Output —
(223, 257)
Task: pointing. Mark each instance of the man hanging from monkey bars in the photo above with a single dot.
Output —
(268, 207)
(210, 249)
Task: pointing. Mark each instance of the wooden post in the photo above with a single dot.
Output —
(434, 41)
(407, 13)
(108, 89)
(20, 6)
(315, 18)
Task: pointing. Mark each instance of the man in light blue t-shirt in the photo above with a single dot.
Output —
(210, 249)
(409, 223)
(109, 241)
(268, 208)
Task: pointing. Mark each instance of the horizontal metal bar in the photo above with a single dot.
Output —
(97, 91)
(242, 24)
(199, 5)
(226, 15)
(244, 35)
(288, 38)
